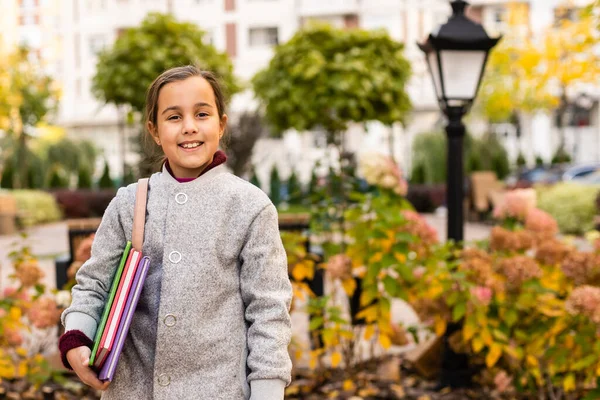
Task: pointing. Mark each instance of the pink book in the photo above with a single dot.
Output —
(108, 369)
(116, 311)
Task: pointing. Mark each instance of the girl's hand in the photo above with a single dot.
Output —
(79, 359)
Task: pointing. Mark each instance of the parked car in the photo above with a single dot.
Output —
(531, 176)
(578, 172)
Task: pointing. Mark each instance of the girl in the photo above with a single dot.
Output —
(213, 318)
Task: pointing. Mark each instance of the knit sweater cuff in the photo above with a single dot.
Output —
(71, 340)
(267, 389)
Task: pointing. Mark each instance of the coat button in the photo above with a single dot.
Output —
(175, 257)
(181, 198)
(164, 380)
(170, 320)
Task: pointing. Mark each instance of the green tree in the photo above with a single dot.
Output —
(539, 161)
(275, 186)
(57, 178)
(84, 180)
(294, 189)
(326, 78)
(521, 161)
(28, 96)
(105, 181)
(254, 178)
(8, 175)
(129, 176)
(125, 71)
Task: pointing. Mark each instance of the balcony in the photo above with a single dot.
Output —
(318, 8)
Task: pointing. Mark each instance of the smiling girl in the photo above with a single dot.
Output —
(213, 318)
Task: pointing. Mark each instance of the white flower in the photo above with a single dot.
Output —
(63, 298)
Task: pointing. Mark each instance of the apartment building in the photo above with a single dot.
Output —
(247, 30)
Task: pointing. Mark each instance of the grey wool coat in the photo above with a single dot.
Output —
(213, 318)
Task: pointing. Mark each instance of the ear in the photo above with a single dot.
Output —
(153, 132)
(222, 125)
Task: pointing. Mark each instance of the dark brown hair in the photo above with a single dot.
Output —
(174, 75)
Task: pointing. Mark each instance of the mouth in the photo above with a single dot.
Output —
(190, 145)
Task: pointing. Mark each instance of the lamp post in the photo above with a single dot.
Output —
(456, 54)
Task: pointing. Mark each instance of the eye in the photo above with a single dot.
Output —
(202, 114)
(173, 117)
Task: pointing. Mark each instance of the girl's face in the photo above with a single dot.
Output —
(188, 127)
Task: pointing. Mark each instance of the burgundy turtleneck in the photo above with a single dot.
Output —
(218, 159)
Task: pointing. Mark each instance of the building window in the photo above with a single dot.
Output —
(260, 37)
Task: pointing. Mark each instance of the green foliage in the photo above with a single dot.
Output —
(35, 172)
(254, 178)
(326, 77)
(125, 71)
(521, 161)
(57, 178)
(561, 156)
(429, 157)
(35, 207)
(539, 161)
(8, 175)
(490, 155)
(275, 186)
(129, 176)
(84, 179)
(572, 205)
(294, 189)
(313, 183)
(105, 181)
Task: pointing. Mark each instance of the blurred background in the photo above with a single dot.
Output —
(333, 113)
(77, 104)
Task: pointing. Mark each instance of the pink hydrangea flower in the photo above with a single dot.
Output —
(540, 221)
(516, 204)
(482, 294)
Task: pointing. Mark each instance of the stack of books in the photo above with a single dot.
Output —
(118, 312)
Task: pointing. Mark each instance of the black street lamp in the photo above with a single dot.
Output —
(456, 55)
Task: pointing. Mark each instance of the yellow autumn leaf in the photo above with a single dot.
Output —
(22, 369)
(303, 270)
(348, 385)
(369, 331)
(469, 331)
(493, 355)
(369, 313)
(439, 326)
(349, 286)
(336, 359)
(21, 351)
(532, 361)
(385, 341)
(477, 344)
(400, 257)
(569, 383)
(376, 257)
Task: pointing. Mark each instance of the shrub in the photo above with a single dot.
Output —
(35, 207)
(571, 204)
(84, 179)
(105, 180)
(275, 186)
(83, 203)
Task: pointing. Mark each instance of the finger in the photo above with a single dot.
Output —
(89, 378)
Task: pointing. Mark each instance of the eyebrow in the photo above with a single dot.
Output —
(177, 108)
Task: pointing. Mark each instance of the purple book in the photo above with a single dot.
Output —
(108, 369)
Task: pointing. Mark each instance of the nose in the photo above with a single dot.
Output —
(189, 126)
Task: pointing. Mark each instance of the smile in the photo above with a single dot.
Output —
(191, 145)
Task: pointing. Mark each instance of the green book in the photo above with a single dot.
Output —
(111, 297)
